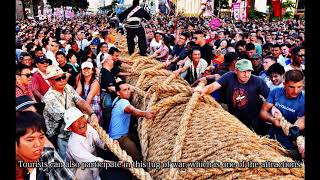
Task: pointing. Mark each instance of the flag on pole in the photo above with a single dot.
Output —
(276, 6)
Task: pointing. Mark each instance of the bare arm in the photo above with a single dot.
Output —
(112, 89)
(266, 116)
(138, 113)
(181, 70)
(79, 89)
(85, 107)
(208, 89)
(94, 90)
(300, 123)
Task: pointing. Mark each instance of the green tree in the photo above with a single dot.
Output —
(288, 5)
(253, 14)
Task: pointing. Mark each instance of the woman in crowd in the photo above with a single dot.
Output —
(89, 87)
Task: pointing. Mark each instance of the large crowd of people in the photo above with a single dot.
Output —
(68, 68)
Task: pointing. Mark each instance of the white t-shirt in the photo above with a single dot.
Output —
(33, 174)
(52, 57)
(83, 43)
(289, 67)
(154, 45)
(199, 70)
(272, 86)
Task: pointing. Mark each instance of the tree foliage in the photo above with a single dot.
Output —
(253, 14)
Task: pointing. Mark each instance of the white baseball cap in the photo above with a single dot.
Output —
(86, 64)
(71, 115)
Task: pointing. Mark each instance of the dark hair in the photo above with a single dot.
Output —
(73, 42)
(293, 75)
(69, 55)
(295, 50)
(261, 39)
(100, 45)
(240, 43)
(112, 24)
(28, 120)
(57, 42)
(104, 34)
(167, 42)
(20, 67)
(275, 68)
(24, 54)
(271, 57)
(198, 32)
(118, 84)
(276, 45)
(38, 49)
(112, 50)
(195, 48)
(250, 46)
(267, 46)
(60, 53)
(185, 34)
(82, 79)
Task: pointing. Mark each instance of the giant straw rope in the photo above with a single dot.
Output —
(191, 128)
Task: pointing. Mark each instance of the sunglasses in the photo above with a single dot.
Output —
(64, 77)
(301, 55)
(27, 75)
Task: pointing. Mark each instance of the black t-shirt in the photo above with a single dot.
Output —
(206, 53)
(243, 99)
(106, 80)
(81, 55)
(72, 80)
(116, 68)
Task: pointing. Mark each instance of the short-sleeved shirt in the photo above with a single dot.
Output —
(55, 106)
(206, 53)
(107, 79)
(39, 84)
(83, 149)
(195, 73)
(116, 68)
(291, 109)
(179, 51)
(23, 90)
(120, 120)
(244, 100)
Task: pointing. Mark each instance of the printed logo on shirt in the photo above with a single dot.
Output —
(239, 98)
(285, 107)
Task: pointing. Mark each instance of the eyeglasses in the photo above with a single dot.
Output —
(301, 55)
(27, 75)
(64, 77)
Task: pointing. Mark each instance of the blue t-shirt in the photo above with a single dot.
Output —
(120, 120)
(291, 109)
(258, 48)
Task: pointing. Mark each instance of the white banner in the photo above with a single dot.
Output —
(243, 14)
(260, 5)
(236, 10)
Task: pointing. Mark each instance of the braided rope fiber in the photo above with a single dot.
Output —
(193, 137)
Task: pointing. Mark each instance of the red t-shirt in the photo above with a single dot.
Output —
(20, 91)
(39, 84)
